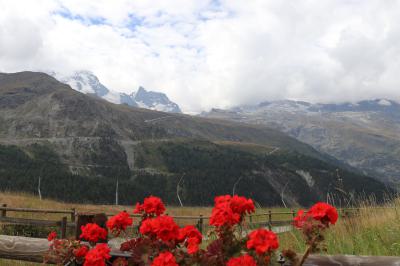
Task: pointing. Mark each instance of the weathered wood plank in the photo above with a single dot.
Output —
(348, 260)
(24, 221)
(2, 208)
(23, 248)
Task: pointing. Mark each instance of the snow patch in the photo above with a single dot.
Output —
(384, 102)
(112, 96)
(307, 177)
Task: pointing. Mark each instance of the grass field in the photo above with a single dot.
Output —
(24, 200)
(374, 232)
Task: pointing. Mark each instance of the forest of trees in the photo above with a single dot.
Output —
(201, 168)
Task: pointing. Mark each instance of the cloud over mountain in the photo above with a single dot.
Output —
(213, 54)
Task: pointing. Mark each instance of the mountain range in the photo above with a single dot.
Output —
(80, 146)
(88, 83)
(365, 135)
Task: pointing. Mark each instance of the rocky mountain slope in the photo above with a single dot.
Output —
(81, 146)
(86, 82)
(365, 135)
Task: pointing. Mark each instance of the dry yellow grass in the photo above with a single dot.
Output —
(373, 231)
(24, 200)
(18, 263)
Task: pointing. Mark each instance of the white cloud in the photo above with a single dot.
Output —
(213, 54)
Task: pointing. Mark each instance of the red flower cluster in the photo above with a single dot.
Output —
(164, 259)
(81, 252)
(119, 222)
(230, 210)
(162, 243)
(242, 205)
(323, 212)
(300, 220)
(93, 233)
(245, 260)
(52, 236)
(97, 256)
(163, 227)
(192, 236)
(151, 206)
(262, 241)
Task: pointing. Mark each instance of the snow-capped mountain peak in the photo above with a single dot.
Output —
(86, 82)
(155, 100)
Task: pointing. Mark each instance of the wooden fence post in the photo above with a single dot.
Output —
(269, 220)
(251, 218)
(201, 222)
(73, 214)
(84, 218)
(4, 212)
(64, 227)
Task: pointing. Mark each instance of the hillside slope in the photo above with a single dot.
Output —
(364, 135)
(81, 145)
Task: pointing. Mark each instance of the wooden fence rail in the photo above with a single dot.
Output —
(265, 219)
(34, 249)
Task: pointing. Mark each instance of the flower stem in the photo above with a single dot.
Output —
(307, 253)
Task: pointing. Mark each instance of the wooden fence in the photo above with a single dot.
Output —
(33, 249)
(268, 219)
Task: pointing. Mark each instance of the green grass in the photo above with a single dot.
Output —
(374, 232)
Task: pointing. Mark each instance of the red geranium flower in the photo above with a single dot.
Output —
(192, 236)
(97, 256)
(301, 218)
(245, 260)
(262, 241)
(52, 236)
(146, 227)
(151, 206)
(222, 199)
(222, 214)
(119, 222)
(192, 245)
(324, 212)
(242, 205)
(230, 210)
(163, 227)
(81, 252)
(164, 259)
(189, 231)
(93, 233)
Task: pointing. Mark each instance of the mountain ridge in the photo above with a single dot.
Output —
(363, 134)
(86, 82)
(82, 145)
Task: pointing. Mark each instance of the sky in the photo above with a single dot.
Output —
(218, 53)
